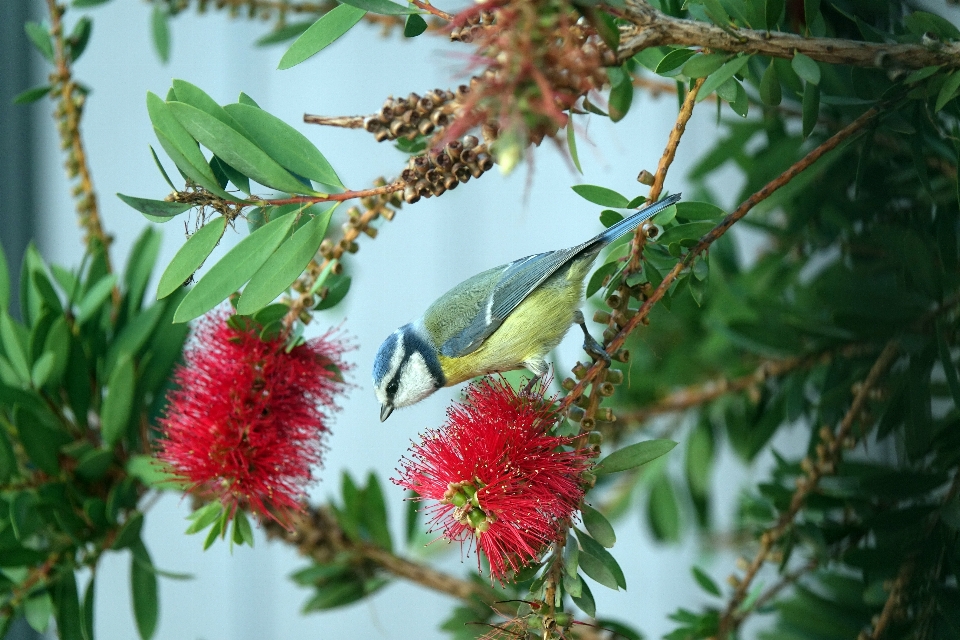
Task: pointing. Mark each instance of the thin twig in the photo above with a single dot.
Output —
(345, 122)
(828, 145)
(670, 151)
(393, 187)
(68, 114)
(653, 28)
(432, 10)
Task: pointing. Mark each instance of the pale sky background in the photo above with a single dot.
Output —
(245, 595)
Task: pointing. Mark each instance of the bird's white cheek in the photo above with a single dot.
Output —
(416, 383)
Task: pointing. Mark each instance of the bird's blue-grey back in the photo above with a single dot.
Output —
(520, 278)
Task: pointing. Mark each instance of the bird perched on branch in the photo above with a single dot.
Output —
(502, 319)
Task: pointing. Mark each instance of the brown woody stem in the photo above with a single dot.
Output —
(393, 187)
(653, 28)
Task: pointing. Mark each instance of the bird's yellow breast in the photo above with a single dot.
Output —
(536, 326)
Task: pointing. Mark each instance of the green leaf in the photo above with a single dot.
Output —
(204, 517)
(706, 582)
(8, 460)
(95, 298)
(38, 610)
(41, 442)
(771, 93)
(595, 569)
(920, 22)
(190, 256)
(117, 406)
(40, 37)
(79, 37)
(664, 510)
(336, 291)
(234, 269)
(696, 211)
(609, 217)
(601, 196)
(586, 602)
(160, 28)
(948, 90)
(284, 33)
(674, 60)
(691, 231)
(374, 513)
(811, 108)
(321, 34)
(150, 472)
(132, 337)
(242, 531)
(156, 210)
(596, 280)
(32, 95)
(14, 347)
(598, 526)
(290, 148)
(703, 64)
(236, 149)
(139, 269)
(87, 611)
(572, 144)
(589, 546)
(181, 147)
(143, 587)
(634, 455)
(741, 103)
(414, 26)
(68, 607)
(284, 266)
(621, 92)
(806, 67)
(93, 465)
(382, 7)
(721, 75)
(163, 171)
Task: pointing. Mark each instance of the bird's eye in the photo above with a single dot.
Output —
(392, 387)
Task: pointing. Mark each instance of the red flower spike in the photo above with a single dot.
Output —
(501, 482)
(248, 420)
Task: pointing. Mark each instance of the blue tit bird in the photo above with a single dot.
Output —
(505, 318)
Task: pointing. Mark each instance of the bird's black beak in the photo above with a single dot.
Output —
(385, 411)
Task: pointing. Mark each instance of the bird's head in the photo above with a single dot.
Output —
(406, 370)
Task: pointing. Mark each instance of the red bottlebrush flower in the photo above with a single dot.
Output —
(500, 480)
(248, 420)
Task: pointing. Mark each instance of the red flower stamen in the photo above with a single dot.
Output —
(247, 423)
(501, 482)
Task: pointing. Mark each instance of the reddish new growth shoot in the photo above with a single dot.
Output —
(501, 481)
(247, 423)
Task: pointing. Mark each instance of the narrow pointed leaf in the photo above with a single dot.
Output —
(321, 34)
(721, 75)
(383, 7)
(598, 526)
(155, 210)
(601, 196)
(115, 412)
(284, 266)
(234, 269)
(284, 144)
(634, 455)
(143, 586)
(190, 256)
(235, 149)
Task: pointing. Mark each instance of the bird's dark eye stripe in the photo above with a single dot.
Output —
(392, 387)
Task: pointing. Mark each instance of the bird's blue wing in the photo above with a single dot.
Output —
(518, 280)
(521, 277)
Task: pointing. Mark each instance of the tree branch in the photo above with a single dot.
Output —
(614, 345)
(653, 28)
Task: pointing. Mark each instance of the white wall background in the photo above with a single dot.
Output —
(245, 595)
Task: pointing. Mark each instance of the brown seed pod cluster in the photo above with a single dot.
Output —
(414, 115)
(438, 171)
(473, 26)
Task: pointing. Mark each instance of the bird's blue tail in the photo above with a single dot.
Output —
(629, 224)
